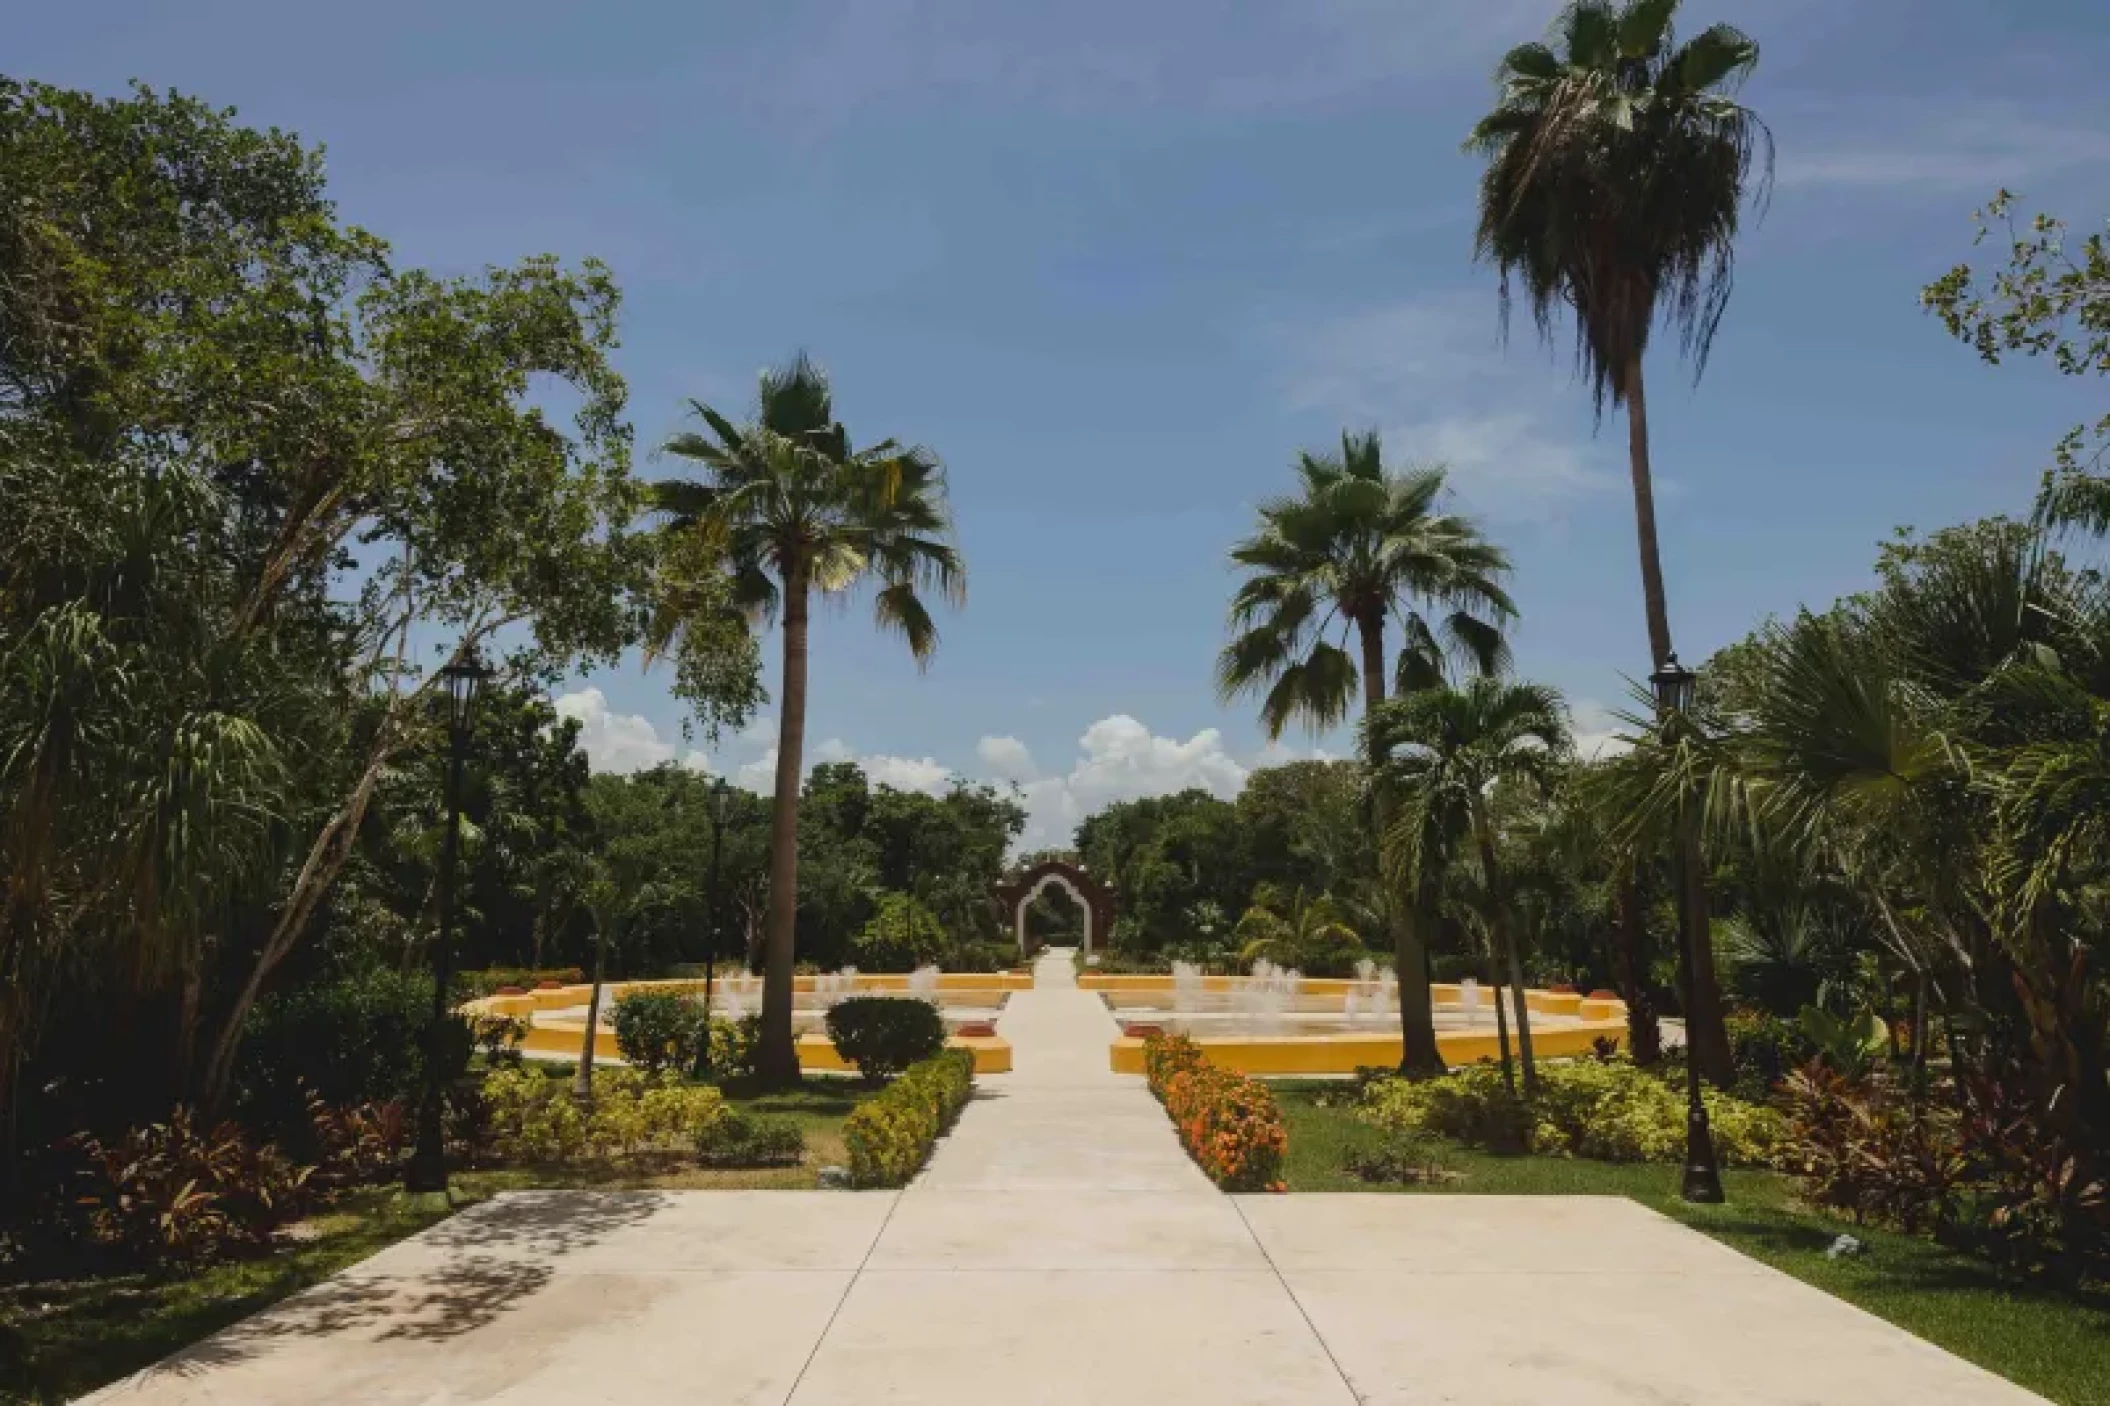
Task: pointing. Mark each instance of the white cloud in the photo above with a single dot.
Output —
(1598, 732)
(1006, 758)
(613, 741)
(924, 774)
(1432, 375)
(1118, 759)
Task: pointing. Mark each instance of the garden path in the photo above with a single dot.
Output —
(1060, 1248)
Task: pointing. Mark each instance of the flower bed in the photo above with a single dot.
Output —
(889, 1137)
(1228, 1123)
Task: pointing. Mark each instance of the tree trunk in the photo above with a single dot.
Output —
(1706, 1036)
(1509, 1069)
(1652, 598)
(1644, 1037)
(582, 1082)
(1506, 939)
(1419, 1058)
(777, 1058)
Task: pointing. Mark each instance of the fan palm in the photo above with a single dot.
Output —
(1360, 548)
(1443, 751)
(790, 507)
(1618, 167)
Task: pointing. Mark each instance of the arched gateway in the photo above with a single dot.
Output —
(1095, 898)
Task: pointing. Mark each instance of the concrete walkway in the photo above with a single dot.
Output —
(1060, 1248)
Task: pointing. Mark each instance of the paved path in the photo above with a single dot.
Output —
(1061, 1248)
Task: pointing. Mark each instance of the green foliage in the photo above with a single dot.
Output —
(2050, 301)
(1618, 165)
(491, 980)
(901, 936)
(1848, 1044)
(1400, 1156)
(1607, 1110)
(883, 1035)
(742, 1140)
(356, 1038)
(535, 1119)
(1357, 545)
(733, 1045)
(889, 1137)
(1765, 1048)
(658, 1031)
(1862, 1148)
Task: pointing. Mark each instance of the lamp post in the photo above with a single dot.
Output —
(427, 1169)
(1675, 686)
(720, 791)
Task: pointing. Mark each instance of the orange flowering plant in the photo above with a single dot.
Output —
(1228, 1123)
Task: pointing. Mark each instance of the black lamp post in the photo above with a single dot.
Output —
(427, 1169)
(720, 791)
(1675, 685)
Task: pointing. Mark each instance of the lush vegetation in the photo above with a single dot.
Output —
(890, 1136)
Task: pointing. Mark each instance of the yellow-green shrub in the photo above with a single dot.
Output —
(1609, 1110)
(536, 1119)
(889, 1136)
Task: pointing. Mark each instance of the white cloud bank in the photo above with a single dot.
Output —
(1118, 759)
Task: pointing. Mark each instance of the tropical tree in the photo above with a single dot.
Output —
(790, 507)
(1619, 164)
(1300, 929)
(1358, 548)
(1445, 751)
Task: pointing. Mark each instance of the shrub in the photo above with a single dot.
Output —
(883, 1035)
(1228, 1123)
(902, 936)
(487, 982)
(176, 1192)
(1765, 1048)
(659, 1030)
(742, 1140)
(1402, 1157)
(498, 1038)
(1864, 1149)
(356, 1038)
(889, 1136)
(535, 1118)
(1607, 1110)
(357, 1145)
(733, 1046)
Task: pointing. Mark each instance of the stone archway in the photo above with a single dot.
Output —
(1095, 898)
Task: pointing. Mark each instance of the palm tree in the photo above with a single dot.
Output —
(790, 508)
(1357, 548)
(1445, 751)
(1618, 166)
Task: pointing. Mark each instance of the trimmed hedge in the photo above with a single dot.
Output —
(487, 981)
(1229, 1124)
(890, 1136)
(883, 1035)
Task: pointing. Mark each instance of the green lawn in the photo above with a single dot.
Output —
(2056, 1344)
(62, 1338)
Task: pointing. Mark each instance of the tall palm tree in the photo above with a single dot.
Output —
(1444, 751)
(1618, 166)
(790, 508)
(1357, 549)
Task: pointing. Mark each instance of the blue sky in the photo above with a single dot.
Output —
(1117, 262)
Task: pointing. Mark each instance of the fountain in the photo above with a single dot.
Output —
(1187, 987)
(923, 984)
(1268, 993)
